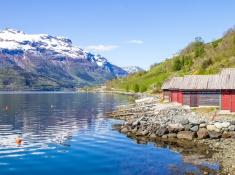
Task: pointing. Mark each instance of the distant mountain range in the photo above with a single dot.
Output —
(132, 69)
(45, 62)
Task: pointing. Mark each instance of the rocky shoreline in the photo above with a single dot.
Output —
(152, 120)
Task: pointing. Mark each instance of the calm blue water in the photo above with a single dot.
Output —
(67, 133)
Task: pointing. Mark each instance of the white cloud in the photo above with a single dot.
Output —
(101, 48)
(134, 41)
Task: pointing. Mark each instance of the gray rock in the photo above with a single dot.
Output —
(231, 128)
(214, 134)
(188, 135)
(172, 135)
(124, 130)
(202, 133)
(144, 132)
(184, 121)
(153, 136)
(232, 122)
(202, 125)
(187, 127)
(194, 121)
(221, 125)
(137, 122)
(194, 128)
(176, 127)
(212, 128)
(162, 131)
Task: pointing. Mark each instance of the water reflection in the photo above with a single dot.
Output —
(41, 119)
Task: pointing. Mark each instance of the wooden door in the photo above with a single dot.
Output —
(233, 101)
(226, 100)
(193, 100)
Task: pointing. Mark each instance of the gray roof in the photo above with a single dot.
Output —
(224, 80)
(173, 83)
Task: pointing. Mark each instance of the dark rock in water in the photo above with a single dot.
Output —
(161, 131)
(188, 135)
(214, 134)
(194, 128)
(202, 133)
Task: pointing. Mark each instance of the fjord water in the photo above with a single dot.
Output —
(67, 133)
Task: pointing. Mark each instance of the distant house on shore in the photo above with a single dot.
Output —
(203, 90)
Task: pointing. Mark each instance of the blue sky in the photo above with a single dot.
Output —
(128, 32)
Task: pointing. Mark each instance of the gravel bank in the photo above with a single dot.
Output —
(152, 120)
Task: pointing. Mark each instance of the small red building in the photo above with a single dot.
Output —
(203, 90)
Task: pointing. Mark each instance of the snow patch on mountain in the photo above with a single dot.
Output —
(132, 69)
(17, 42)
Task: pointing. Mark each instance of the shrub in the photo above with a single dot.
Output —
(136, 88)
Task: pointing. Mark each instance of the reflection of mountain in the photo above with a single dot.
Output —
(42, 119)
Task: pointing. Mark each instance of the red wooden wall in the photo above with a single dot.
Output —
(174, 96)
(225, 100)
(177, 96)
(228, 100)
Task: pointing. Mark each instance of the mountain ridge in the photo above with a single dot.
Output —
(45, 62)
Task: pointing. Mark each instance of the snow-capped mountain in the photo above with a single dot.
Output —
(41, 60)
(132, 69)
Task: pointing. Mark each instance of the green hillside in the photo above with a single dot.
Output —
(197, 58)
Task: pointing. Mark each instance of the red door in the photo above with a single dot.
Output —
(174, 96)
(232, 101)
(180, 97)
(226, 100)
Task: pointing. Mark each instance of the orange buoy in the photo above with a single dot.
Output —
(18, 141)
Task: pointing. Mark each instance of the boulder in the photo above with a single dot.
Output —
(202, 125)
(232, 134)
(162, 131)
(202, 133)
(188, 135)
(184, 121)
(175, 127)
(153, 136)
(214, 134)
(232, 122)
(164, 136)
(226, 135)
(144, 132)
(124, 130)
(194, 128)
(212, 128)
(187, 127)
(221, 125)
(195, 121)
(172, 135)
(231, 128)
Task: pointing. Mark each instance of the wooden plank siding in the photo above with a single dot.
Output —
(204, 90)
